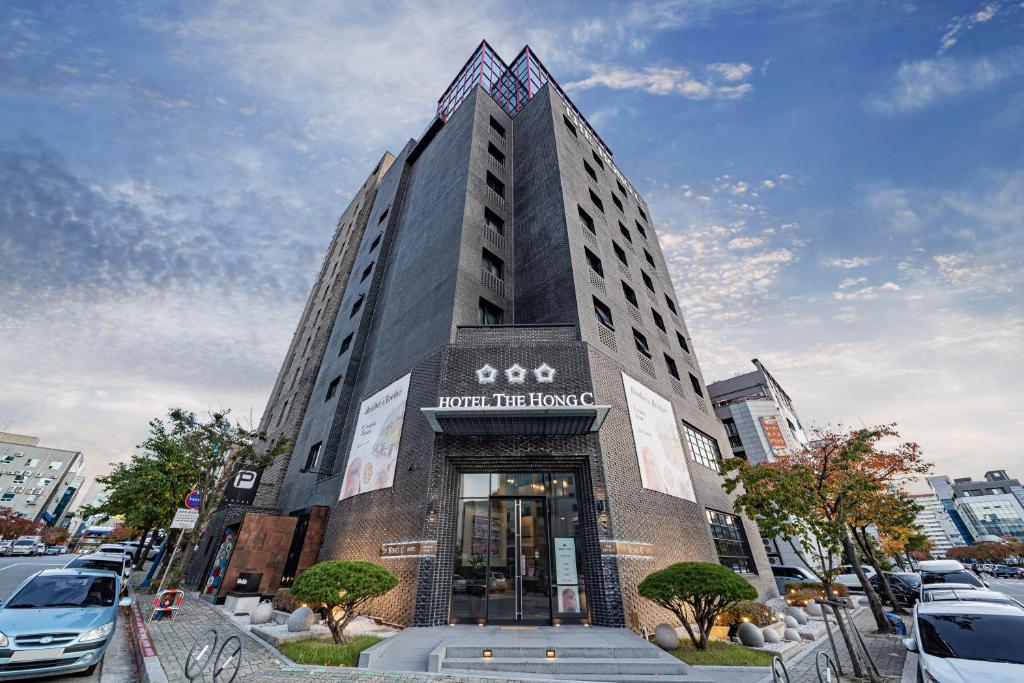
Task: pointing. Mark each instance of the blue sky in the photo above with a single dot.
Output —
(838, 186)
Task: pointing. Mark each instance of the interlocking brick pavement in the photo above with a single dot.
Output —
(887, 652)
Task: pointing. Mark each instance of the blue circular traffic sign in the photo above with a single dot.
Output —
(193, 500)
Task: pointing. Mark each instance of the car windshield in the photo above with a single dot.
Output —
(912, 580)
(950, 577)
(24, 543)
(105, 565)
(65, 591)
(983, 637)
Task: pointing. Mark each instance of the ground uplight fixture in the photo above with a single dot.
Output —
(550, 654)
(488, 653)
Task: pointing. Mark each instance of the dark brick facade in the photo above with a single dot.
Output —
(415, 312)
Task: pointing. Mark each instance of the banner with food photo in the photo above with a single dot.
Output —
(658, 448)
(374, 452)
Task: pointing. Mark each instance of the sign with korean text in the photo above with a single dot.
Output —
(185, 518)
(773, 432)
(193, 500)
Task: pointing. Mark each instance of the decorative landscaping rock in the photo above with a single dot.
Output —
(750, 635)
(301, 619)
(813, 608)
(791, 634)
(798, 614)
(770, 635)
(790, 621)
(263, 613)
(666, 637)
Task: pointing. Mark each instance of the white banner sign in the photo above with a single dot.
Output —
(658, 448)
(371, 461)
(565, 561)
(185, 518)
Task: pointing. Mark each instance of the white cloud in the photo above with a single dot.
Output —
(661, 80)
(961, 24)
(851, 262)
(745, 242)
(864, 293)
(918, 85)
(852, 282)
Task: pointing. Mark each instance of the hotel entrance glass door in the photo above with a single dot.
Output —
(519, 585)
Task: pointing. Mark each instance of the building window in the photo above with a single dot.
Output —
(497, 128)
(280, 417)
(731, 542)
(617, 202)
(32, 462)
(597, 201)
(671, 305)
(695, 383)
(590, 171)
(7, 459)
(7, 497)
(640, 229)
(366, 272)
(492, 264)
(671, 365)
(682, 342)
(703, 448)
(19, 478)
(313, 459)
(620, 254)
(641, 343)
(383, 216)
(357, 305)
(56, 465)
(650, 259)
(488, 313)
(643, 215)
(597, 159)
(658, 320)
(375, 243)
(587, 220)
(495, 153)
(625, 233)
(345, 343)
(630, 295)
(494, 221)
(568, 124)
(332, 388)
(648, 282)
(604, 314)
(495, 184)
(621, 188)
(593, 262)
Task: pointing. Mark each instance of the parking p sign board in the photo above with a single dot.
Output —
(185, 518)
(193, 500)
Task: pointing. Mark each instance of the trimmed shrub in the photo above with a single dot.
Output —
(696, 592)
(757, 613)
(800, 593)
(284, 601)
(341, 588)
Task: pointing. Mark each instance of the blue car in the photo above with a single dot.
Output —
(59, 621)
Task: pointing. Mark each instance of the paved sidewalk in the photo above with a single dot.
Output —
(888, 653)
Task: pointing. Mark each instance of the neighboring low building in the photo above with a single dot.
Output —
(991, 507)
(95, 494)
(933, 522)
(37, 482)
(758, 415)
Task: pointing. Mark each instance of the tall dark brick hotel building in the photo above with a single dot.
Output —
(492, 390)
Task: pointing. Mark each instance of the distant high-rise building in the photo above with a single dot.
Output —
(504, 405)
(37, 482)
(934, 524)
(993, 507)
(954, 525)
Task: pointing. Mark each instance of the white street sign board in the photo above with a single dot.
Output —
(185, 518)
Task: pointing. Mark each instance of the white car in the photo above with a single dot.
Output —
(946, 593)
(848, 577)
(786, 573)
(947, 571)
(927, 589)
(967, 642)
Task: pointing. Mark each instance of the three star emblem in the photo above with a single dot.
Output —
(516, 374)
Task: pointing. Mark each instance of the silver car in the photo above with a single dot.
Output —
(967, 642)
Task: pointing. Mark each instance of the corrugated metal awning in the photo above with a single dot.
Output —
(519, 421)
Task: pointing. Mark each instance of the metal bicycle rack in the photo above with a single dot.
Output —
(833, 662)
(226, 663)
(779, 672)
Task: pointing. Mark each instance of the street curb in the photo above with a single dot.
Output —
(150, 669)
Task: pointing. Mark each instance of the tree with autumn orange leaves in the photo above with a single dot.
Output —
(812, 497)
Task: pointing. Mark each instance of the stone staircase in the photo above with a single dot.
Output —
(639, 663)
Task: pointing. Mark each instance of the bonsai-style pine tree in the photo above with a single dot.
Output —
(696, 590)
(342, 588)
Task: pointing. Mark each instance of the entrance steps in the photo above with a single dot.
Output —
(642, 663)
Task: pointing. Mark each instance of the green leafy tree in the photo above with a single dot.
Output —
(696, 590)
(342, 588)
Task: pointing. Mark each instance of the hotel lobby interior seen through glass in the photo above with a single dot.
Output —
(518, 556)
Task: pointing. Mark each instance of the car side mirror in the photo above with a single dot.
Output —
(126, 601)
(910, 644)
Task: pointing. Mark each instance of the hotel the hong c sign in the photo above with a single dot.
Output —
(516, 375)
